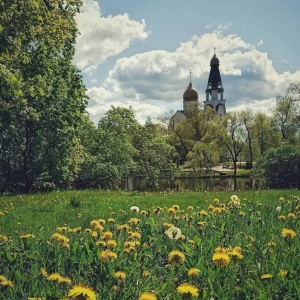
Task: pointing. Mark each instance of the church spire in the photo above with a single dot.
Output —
(214, 91)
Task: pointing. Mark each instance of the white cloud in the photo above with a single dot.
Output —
(101, 37)
(260, 43)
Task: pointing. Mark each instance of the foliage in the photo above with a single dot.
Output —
(42, 98)
(119, 253)
(280, 167)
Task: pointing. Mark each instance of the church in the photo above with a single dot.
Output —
(214, 95)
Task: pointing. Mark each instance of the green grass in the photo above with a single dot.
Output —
(252, 225)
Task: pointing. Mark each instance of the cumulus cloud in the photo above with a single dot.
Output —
(101, 37)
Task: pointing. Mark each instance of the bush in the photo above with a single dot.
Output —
(280, 167)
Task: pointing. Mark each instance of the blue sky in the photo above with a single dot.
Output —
(139, 53)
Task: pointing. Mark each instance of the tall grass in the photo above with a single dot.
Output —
(67, 234)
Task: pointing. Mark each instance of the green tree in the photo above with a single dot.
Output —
(279, 167)
(42, 98)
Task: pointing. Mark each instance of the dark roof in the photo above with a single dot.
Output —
(190, 93)
(214, 79)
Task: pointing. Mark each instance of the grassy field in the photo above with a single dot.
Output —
(160, 245)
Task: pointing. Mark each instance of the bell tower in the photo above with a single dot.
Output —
(214, 90)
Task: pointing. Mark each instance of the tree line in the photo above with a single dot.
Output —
(47, 140)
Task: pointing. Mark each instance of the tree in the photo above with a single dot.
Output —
(279, 167)
(42, 98)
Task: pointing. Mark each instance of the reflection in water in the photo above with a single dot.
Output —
(191, 184)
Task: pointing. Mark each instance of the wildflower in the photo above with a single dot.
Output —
(202, 213)
(167, 225)
(134, 209)
(1, 213)
(134, 221)
(173, 233)
(235, 254)
(58, 278)
(266, 276)
(288, 233)
(101, 243)
(135, 235)
(44, 272)
(278, 208)
(60, 238)
(188, 290)
(102, 222)
(27, 236)
(107, 235)
(96, 225)
(193, 272)
(107, 255)
(291, 216)
(5, 282)
(190, 208)
(3, 238)
(176, 257)
(157, 210)
(234, 198)
(221, 259)
(146, 273)
(148, 296)
(111, 220)
(281, 199)
(176, 207)
(217, 210)
(171, 210)
(120, 275)
(282, 273)
(111, 244)
(281, 218)
(210, 207)
(271, 244)
(203, 223)
(220, 250)
(81, 291)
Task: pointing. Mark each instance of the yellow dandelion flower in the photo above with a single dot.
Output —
(148, 296)
(107, 255)
(101, 243)
(27, 236)
(146, 273)
(58, 278)
(95, 234)
(176, 207)
(167, 225)
(291, 216)
(282, 273)
(266, 276)
(190, 208)
(60, 238)
(135, 235)
(235, 255)
(144, 212)
(193, 272)
(281, 199)
(102, 222)
(3, 238)
(111, 244)
(171, 210)
(1, 213)
(211, 207)
(220, 250)
(88, 230)
(176, 257)
(111, 220)
(202, 213)
(120, 275)
(173, 233)
(134, 221)
(272, 244)
(282, 218)
(288, 233)
(107, 235)
(216, 201)
(157, 210)
(44, 272)
(221, 259)
(82, 292)
(188, 290)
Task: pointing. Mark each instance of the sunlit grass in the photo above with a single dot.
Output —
(162, 245)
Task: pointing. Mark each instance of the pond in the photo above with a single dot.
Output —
(191, 184)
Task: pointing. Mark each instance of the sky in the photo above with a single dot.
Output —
(139, 53)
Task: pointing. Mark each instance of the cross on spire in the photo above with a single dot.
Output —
(215, 50)
(190, 75)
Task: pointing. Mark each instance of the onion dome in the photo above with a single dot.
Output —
(214, 60)
(190, 93)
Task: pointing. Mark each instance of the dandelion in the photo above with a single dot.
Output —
(58, 278)
(60, 238)
(27, 236)
(146, 273)
(107, 235)
(3, 238)
(135, 235)
(282, 273)
(134, 221)
(168, 225)
(272, 244)
(190, 208)
(176, 257)
(44, 272)
(188, 290)
(221, 259)
(266, 276)
(144, 212)
(111, 220)
(211, 207)
(108, 255)
(1, 213)
(82, 292)
(281, 199)
(5, 282)
(102, 222)
(278, 208)
(193, 272)
(288, 233)
(235, 254)
(148, 296)
(173, 233)
(111, 244)
(171, 210)
(217, 210)
(101, 244)
(157, 210)
(95, 224)
(291, 216)
(281, 218)
(120, 275)
(202, 213)
(176, 207)
(134, 209)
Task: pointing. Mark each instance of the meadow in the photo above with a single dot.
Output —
(109, 245)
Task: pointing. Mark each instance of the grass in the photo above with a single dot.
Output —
(60, 233)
